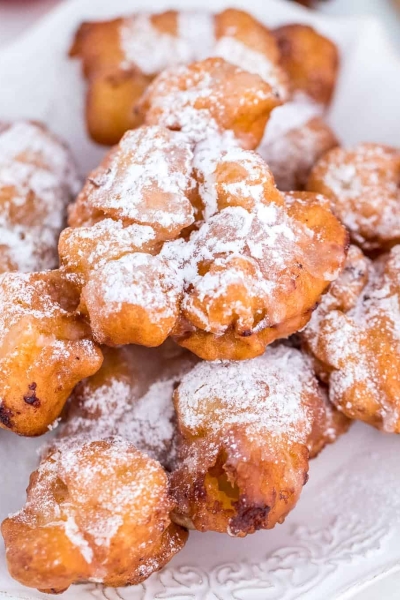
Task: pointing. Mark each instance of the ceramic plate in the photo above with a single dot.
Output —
(342, 539)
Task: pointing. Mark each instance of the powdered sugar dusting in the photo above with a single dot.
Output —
(266, 393)
(237, 53)
(364, 185)
(150, 186)
(357, 334)
(153, 50)
(24, 297)
(134, 402)
(37, 181)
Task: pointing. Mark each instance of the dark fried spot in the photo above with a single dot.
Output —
(306, 478)
(5, 416)
(31, 398)
(246, 333)
(248, 518)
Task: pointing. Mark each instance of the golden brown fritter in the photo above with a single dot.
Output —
(45, 349)
(121, 57)
(99, 511)
(364, 186)
(250, 271)
(98, 507)
(37, 181)
(247, 430)
(354, 337)
(210, 96)
(310, 60)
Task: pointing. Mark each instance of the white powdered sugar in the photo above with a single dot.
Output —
(30, 142)
(289, 116)
(148, 180)
(141, 280)
(364, 185)
(234, 51)
(266, 393)
(361, 344)
(134, 402)
(153, 50)
(120, 408)
(197, 29)
(37, 181)
(76, 538)
(23, 298)
(295, 138)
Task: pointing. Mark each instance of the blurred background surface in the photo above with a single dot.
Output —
(17, 15)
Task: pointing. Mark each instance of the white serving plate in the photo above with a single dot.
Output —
(341, 542)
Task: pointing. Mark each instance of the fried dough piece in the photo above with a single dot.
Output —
(310, 60)
(121, 57)
(364, 186)
(210, 96)
(250, 272)
(296, 137)
(247, 430)
(98, 506)
(45, 349)
(38, 179)
(95, 511)
(354, 337)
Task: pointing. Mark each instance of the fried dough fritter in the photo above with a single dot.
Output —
(250, 271)
(247, 430)
(210, 96)
(354, 338)
(98, 507)
(95, 511)
(311, 61)
(121, 57)
(364, 186)
(38, 179)
(45, 349)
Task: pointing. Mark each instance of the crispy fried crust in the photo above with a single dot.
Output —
(363, 184)
(246, 433)
(144, 278)
(310, 60)
(45, 349)
(95, 511)
(354, 339)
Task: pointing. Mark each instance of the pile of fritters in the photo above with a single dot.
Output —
(216, 227)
